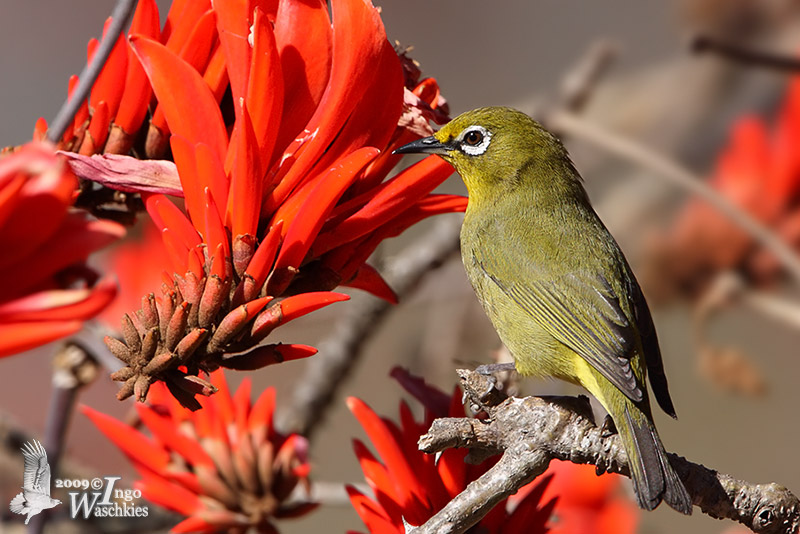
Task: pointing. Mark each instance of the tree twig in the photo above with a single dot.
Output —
(341, 351)
(119, 19)
(703, 43)
(73, 368)
(573, 125)
(531, 431)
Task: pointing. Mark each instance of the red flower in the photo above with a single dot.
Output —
(281, 123)
(223, 467)
(759, 171)
(587, 503)
(411, 486)
(135, 276)
(48, 291)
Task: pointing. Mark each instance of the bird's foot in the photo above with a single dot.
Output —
(491, 368)
(609, 428)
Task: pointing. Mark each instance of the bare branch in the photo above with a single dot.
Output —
(119, 19)
(341, 351)
(531, 431)
(705, 43)
(571, 124)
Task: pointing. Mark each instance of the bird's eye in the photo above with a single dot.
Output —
(473, 138)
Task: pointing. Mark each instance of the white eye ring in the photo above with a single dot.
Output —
(483, 138)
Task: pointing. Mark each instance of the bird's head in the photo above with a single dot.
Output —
(495, 148)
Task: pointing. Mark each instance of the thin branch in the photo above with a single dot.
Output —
(580, 81)
(119, 19)
(571, 124)
(73, 368)
(532, 431)
(704, 43)
(342, 350)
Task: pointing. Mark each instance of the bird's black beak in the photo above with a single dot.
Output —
(426, 145)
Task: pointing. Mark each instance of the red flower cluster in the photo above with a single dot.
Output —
(412, 486)
(48, 289)
(759, 171)
(281, 122)
(224, 467)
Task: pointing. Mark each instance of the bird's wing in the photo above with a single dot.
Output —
(580, 311)
(652, 351)
(37, 471)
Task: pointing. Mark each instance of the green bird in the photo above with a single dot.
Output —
(554, 282)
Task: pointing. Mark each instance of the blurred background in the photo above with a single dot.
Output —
(733, 368)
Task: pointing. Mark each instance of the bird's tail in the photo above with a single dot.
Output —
(653, 477)
(18, 504)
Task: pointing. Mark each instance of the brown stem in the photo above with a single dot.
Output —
(704, 43)
(341, 352)
(531, 431)
(119, 19)
(580, 128)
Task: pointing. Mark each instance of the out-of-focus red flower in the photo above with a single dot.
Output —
(409, 485)
(224, 467)
(587, 503)
(47, 290)
(759, 171)
(281, 120)
(138, 262)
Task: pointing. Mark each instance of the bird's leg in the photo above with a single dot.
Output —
(609, 428)
(491, 368)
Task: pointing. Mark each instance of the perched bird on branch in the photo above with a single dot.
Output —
(554, 282)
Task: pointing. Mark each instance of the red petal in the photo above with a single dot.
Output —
(233, 26)
(265, 93)
(529, 514)
(18, 337)
(74, 240)
(304, 227)
(389, 200)
(298, 305)
(183, 152)
(181, 21)
(216, 75)
(359, 41)
(210, 172)
(133, 443)
(378, 479)
(260, 419)
(189, 106)
(40, 130)
(261, 263)
(222, 400)
(109, 85)
(241, 405)
(97, 133)
(407, 485)
(215, 234)
(303, 36)
(371, 514)
(164, 429)
(60, 305)
(39, 207)
(169, 494)
(168, 215)
(244, 203)
(136, 96)
(368, 279)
